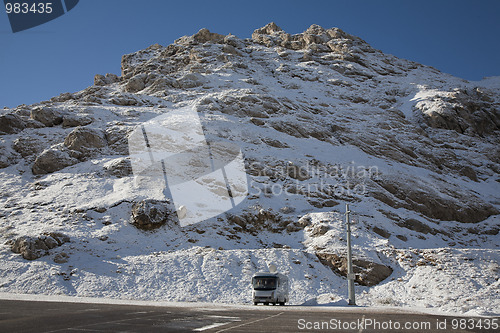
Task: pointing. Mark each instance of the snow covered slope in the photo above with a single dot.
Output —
(322, 119)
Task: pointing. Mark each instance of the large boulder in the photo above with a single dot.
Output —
(74, 120)
(30, 248)
(84, 139)
(151, 214)
(52, 160)
(136, 83)
(119, 167)
(11, 123)
(47, 116)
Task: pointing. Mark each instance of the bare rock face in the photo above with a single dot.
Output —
(84, 139)
(466, 111)
(32, 248)
(151, 214)
(52, 160)
(417, 226)
(367, 273)
(47, 116)
(425, 200)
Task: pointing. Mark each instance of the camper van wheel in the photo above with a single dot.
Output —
(282, 303)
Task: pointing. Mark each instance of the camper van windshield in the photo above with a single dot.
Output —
(264, 283)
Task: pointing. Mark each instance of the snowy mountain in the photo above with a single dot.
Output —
(321, 119)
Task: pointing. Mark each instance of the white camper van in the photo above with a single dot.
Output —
(270, 287)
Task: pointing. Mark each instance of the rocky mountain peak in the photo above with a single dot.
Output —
(315, 38)
(320, 118)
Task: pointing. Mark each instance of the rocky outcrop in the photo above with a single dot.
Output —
(117, 137)
(367, 273)
(315, 38)
(7, 155)
(263, 219)
(74, 120)
(417, 226)
(32, 248)
(85, 140)
(136, 83)
(47, 115)
(319, 230)
(101, 80)
(27, 146)
(120, 167)
(11, 123)
(151, 214)
(202, 36)
(422, 198)
(190, 80)
(52, 160)
(466, 111)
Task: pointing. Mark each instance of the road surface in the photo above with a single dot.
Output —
(45, 317)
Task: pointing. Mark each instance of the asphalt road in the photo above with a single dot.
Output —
(37, 316)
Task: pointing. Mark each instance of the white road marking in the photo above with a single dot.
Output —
(204, 328)
(251, 322)
(224, 317)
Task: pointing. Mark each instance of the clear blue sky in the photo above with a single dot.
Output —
(457, 37)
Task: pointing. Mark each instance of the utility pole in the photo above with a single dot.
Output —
(350, 273)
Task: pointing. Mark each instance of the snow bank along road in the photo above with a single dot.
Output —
(38, 316)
